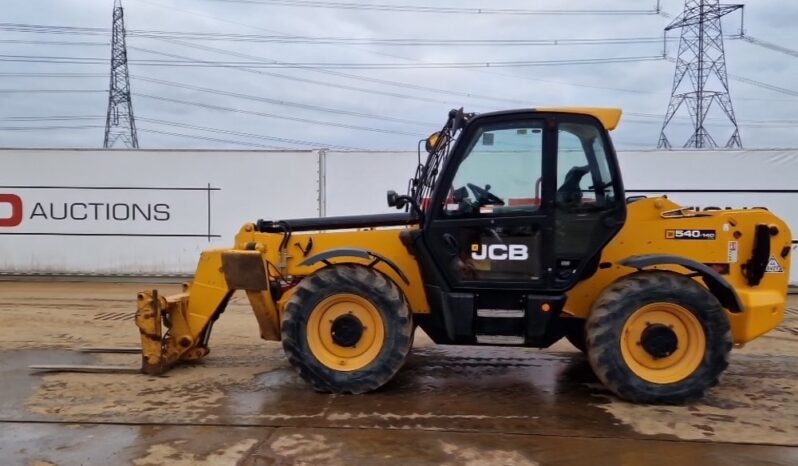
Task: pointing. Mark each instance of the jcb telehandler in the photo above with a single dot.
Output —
(515, 231)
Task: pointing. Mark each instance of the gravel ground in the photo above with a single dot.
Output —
(449, 405)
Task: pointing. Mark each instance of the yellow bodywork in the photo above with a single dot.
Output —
(645, 232)
(255, 260)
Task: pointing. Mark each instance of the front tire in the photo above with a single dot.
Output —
(658, 337)
(347, 329)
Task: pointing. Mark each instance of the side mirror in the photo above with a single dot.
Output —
(401, 201)
(395, 200)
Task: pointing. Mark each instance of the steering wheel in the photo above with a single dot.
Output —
(483, 196)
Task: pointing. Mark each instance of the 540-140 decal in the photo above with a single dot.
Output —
(691, 234)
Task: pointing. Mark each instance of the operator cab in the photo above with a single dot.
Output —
(516, 208)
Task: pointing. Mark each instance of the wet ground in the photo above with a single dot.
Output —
(449, 405)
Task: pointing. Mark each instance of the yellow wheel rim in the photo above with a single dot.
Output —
(679, 364)
(322, 341)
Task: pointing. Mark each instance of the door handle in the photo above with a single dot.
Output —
(451, 244)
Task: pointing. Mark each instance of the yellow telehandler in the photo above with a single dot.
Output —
(515, 230)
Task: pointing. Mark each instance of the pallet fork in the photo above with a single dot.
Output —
(188, 317)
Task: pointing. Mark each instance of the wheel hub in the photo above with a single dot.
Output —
(346, 330)
(659, 340)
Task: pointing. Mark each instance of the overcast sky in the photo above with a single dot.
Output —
(641, 88)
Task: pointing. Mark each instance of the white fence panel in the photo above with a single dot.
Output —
(356, 182)
(152, 212)
(140, 212)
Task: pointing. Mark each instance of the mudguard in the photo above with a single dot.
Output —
(714, 281)
(358, 253)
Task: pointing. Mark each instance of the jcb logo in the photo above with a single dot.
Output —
(500, 252)
(13, 216)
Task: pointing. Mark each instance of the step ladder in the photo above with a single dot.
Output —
(500, 326)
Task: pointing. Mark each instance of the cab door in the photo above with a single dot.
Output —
(518, 206)
(490, 217)
(589, 206)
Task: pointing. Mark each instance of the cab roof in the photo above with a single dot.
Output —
(608, 116)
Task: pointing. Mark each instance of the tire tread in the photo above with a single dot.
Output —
(608, 316)
(370, 284)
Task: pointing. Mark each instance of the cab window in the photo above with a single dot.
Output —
(583, 175)
(500, 174)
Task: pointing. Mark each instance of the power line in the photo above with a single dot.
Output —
(53, 75)
(172, 9)
(146, 130)
(749, 81)
(289, 103)
(405, 96)
(402, 42)
(321, 40)
(141, 78)
(398, 84)
(405, 85)
(296, 78)
(157, 34)
(481, 71)
(779, 121)
(47, 128)
(764, 85)
(271, 115)
(52, 42)
(346, 87)
(212, 139)
(248, 135)
(53, 29)
(770, 46)
(441, 9)
(221, 36)
(53, 118)
(747, 123)
(331, 65)
(754, 82)
(52, 91)
(158, 122)
(286, 103)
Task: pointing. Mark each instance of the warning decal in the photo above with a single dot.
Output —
(774, 266)
(731, 257)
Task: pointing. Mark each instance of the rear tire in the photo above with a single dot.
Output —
(658, 337)
(373, 322)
